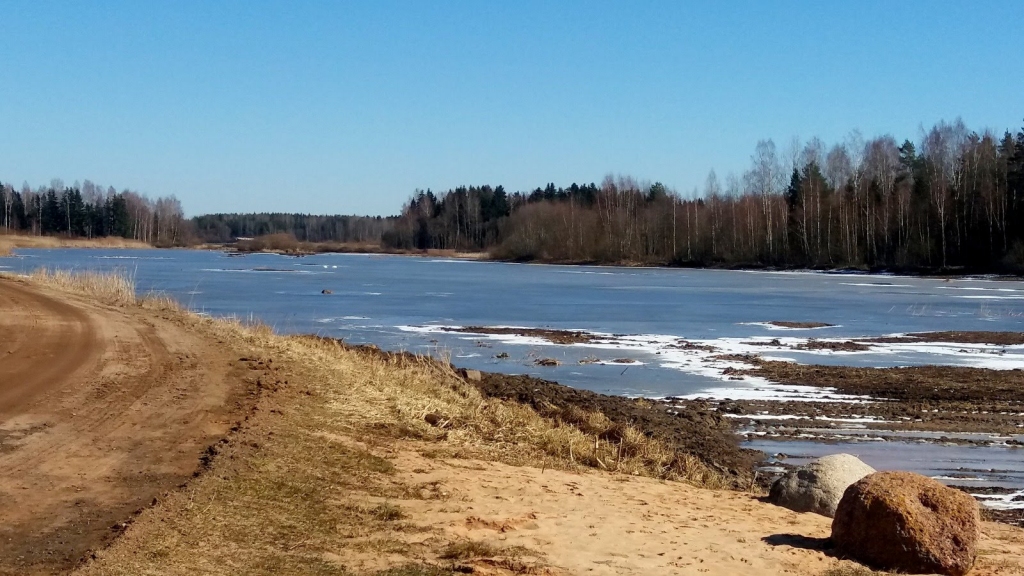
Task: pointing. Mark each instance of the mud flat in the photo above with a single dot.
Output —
(553, 336)
(797, 325)
(968, 337)
(923, 398)
(952, 406)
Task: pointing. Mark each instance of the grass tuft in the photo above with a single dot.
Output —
(468, 549)
(387, 512)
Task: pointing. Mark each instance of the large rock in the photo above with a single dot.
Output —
(818, 486)
(909, 523)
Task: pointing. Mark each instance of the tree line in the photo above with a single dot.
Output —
(223, 228)
(952, 199)
(89, 210)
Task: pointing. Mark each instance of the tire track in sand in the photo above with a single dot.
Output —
(102, 410)
(42, 343)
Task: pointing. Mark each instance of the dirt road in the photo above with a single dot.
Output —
(102, 410)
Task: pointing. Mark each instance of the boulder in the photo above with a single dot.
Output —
(471, 375)
(818, 486)
(909, 523)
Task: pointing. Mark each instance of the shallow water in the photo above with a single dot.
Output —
(399, 303)
(961, 465)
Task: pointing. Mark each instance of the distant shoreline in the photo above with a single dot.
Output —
(9, 242)
(327, 248)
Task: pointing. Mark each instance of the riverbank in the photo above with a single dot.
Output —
(300, 249)
(10, 242)
(774, 392)
(288, 245)
(308, 249)
(353, 461)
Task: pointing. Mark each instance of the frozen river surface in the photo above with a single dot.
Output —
(642, 314)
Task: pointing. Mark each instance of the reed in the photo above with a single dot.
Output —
(113, 288)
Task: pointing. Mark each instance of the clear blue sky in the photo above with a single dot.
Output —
(347, 107)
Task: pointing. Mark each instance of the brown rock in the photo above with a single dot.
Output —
(907, 522)
(471, 375)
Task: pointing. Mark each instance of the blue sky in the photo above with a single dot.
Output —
(347, 107)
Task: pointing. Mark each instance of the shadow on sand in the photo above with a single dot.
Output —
(804, 542)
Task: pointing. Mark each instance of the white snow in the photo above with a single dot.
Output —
(669, 351)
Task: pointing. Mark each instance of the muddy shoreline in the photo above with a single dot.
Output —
(932, 398)
(945, 405)
(710, 428)
(693, 428)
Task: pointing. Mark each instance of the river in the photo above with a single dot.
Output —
(405, 303)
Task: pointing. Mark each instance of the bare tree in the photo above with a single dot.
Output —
(765, 180)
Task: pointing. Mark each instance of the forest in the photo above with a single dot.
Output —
(952, 200)
(89, 210)
(222, 228)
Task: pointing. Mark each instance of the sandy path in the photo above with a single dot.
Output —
(102, 410)
(42, 343)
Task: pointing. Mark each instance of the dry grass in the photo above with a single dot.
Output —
(308, 485)
(387, 512)
(514, 433)
(108, 287)
(10, 241)
(112, 288)
(608, 445)
(470, 549)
